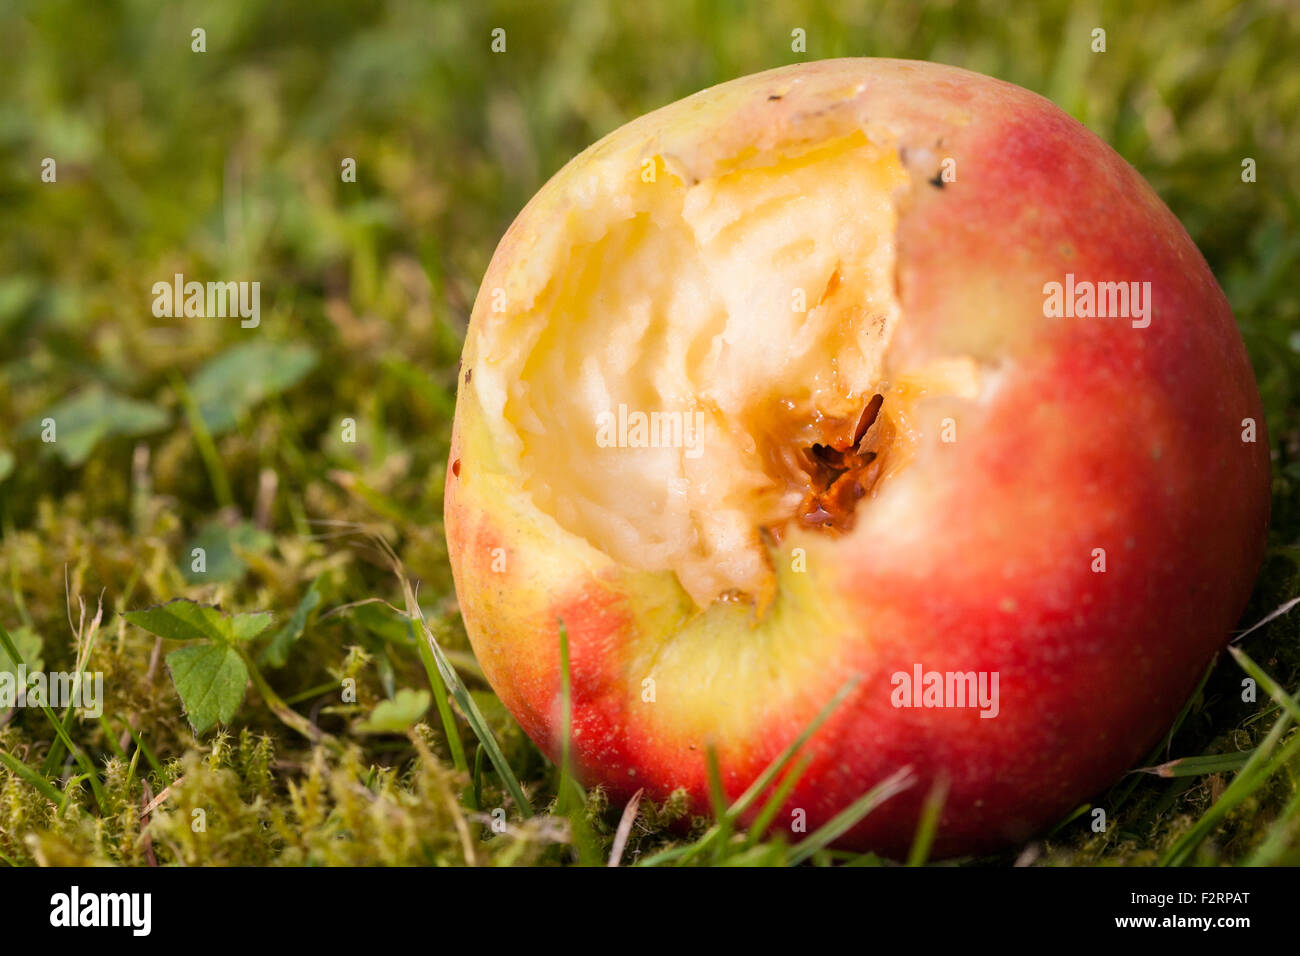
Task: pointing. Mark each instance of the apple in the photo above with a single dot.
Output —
(859, 373)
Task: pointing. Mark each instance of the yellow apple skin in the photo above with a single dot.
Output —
(1099, 442)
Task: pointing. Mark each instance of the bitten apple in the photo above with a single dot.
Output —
(859, 369)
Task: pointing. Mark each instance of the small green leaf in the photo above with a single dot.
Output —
(227, 387)
(277, 651)
(222, 546)
(6, 463)
(17, 295)
(83, 419)
(210, 679)
(244, 627)
(28, 645)
(182, 620)
(394, 716)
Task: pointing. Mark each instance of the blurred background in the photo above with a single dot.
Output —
(225, 164)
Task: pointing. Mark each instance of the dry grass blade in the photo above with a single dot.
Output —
(624, 828)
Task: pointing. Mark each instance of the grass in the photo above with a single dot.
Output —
(189, 434)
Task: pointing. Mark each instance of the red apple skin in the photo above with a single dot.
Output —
(1098, 436)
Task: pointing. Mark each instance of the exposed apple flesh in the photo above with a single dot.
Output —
(883, 453)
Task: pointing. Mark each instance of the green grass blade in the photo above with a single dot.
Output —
(718, 799)
(1199, 766)
(132, 767)
(1280, 836)
(1247, 780)
(848, 818)
(111, 738)
(1264, 680)
(562, 801)
(1121, 792)
(571, 799)
(671, 855)
(60, 732)
(1069, 818)
(1257, 769)
(143, 748)
(780, 793)
(783, 759)
(42, 785)
(928, 825)
(449, 728)
(78, 755)
(66, 719)
(757, 788)
(203, 440)
(460, 693)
